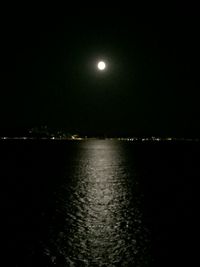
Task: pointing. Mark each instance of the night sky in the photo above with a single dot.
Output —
(150, 87)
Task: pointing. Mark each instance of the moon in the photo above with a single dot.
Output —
(101, 65)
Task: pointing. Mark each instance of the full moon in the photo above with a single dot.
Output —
(101, 65)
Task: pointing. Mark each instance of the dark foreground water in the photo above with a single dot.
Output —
(98, 203)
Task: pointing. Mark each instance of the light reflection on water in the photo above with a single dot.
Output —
(100, 207)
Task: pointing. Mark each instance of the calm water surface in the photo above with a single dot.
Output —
(98, 203)
(100, 206)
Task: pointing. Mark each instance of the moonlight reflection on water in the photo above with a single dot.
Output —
(99, 203)
(100, 207)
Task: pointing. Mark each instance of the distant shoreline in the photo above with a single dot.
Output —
(129, 139)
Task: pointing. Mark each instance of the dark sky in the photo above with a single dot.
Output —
(150, 87)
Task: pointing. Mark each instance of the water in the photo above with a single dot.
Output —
(98, 203)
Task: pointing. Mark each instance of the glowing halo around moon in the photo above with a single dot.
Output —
(101, 65)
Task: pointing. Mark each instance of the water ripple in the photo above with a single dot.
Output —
(100, 208)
